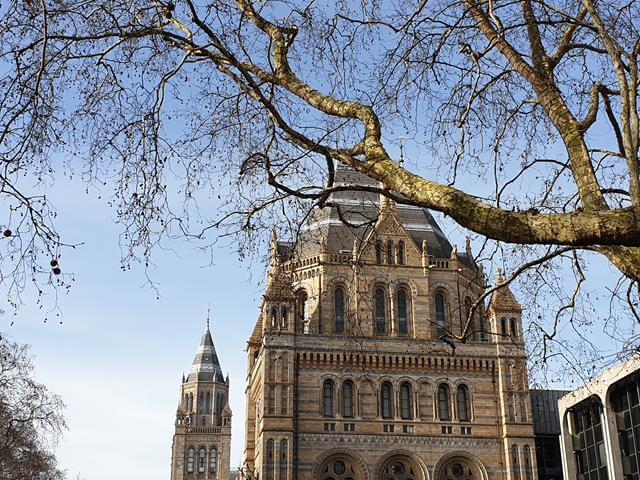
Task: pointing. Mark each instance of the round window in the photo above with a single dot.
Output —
(457, 470)
(398, 468)
(339, 467)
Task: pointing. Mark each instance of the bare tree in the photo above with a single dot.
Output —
(30, 419)
(519, 120)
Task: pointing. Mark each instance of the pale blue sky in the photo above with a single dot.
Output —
(118, 357)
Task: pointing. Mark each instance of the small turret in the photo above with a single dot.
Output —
(505, 313)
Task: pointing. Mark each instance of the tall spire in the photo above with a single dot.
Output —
(206, 366)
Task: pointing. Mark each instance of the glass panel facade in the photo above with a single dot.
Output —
(589, 446)
(626, 405)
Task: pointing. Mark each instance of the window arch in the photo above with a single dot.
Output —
(339, 309)
(213, 460)
(202, 460)
(402, 304)
(386, 400)
(380, 310)
(301, 309)
(514, 327)
(327, 398)
(484, 335)
(207, 403)
(515, 459)
(339, 467)
(389, 252)
(503, 327)
(527, 463)
(441, 316)
(191, 459)
(270, 462)
(406, 404)
(274, 316)
(347, 399)
(284, 446)
(379, 252)
(285, 317)
(444, 411)
(401, 253)
(463, 403)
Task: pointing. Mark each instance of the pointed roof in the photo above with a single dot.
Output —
(362, 209)
(206, 366)
(503, 299)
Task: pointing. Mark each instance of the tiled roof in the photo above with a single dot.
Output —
(206, 366)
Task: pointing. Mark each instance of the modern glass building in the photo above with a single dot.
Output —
(600, 425)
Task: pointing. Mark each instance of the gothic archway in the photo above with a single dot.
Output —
(336, 465)
(459, 466)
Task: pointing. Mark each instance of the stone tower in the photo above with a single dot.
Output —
(202, 440)
(369, 362)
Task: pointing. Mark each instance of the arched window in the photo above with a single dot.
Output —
(441, 317)
(406, 410)
(327, 398)
(271, 400)
(401, 255)
(514, 327)
(381, 322)
(339, 309)
(213, 460)
(201, 408)
(503, 326)
(444, 412)
(202, 460)
(285, 317)
(484, 335)
(389, 252)
(284, 446)
(207, 403)
(403, 311)
(347, 399)
(301, 309)
(274, 316)
(463, 404)
(515, 459)
(386, 400)
(379, 252)
(191, 459)
(219, 407)
(523, 408)
(270, 462)
(528, 474)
